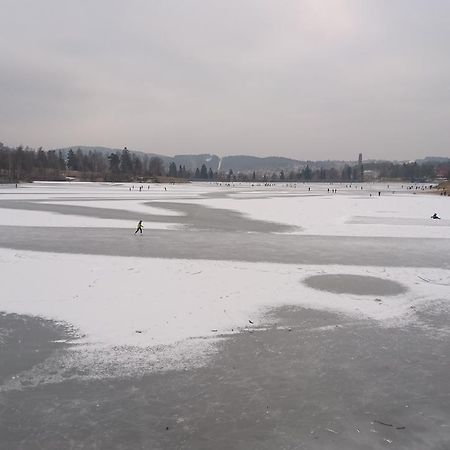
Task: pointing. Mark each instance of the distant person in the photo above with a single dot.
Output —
(139, 227)
(435, 216)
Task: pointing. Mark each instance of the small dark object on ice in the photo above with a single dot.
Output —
(249, 321)
(383, 423)
(139, 331)
(435, 216)
(389, 425)
(167, 428)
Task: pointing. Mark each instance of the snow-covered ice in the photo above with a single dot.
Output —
(334, 215)
(145, 303)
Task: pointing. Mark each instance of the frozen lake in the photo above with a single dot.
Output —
(298, 310)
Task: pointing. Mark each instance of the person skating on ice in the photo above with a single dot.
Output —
(139, 227)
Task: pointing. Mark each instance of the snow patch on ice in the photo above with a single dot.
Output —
(141, 303)
(136, 206)
(85, 362)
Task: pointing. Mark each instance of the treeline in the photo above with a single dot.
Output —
(412, 172)
(25, 164)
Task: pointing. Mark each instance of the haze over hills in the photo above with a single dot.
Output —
(94, 163)
(239, 163)
(236, 163)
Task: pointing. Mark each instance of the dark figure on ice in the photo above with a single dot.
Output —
(435, 216)
(139, 227)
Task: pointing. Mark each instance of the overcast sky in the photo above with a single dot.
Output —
(317, 79)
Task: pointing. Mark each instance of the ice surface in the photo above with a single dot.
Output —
(343, 214)
(145, 303)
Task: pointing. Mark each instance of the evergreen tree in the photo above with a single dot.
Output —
(71, 160)
(41, 159)
(79, 158)
(114, 163)
(61, 162)
(156, 166)
(137, 166)
(126, 165)
(347, 173)
(307, 173)
(172, 170)
(204, 172)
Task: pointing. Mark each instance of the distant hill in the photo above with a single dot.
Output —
(107, 151)
(245, 163)
(433, 160)
(191, 162)
(87, 148)
(237, 163)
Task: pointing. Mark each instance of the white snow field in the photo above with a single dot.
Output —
(127, 308)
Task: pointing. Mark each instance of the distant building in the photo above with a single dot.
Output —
(361, 168)
(370, 175)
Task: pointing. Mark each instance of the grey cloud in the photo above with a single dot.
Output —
(304, 79)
